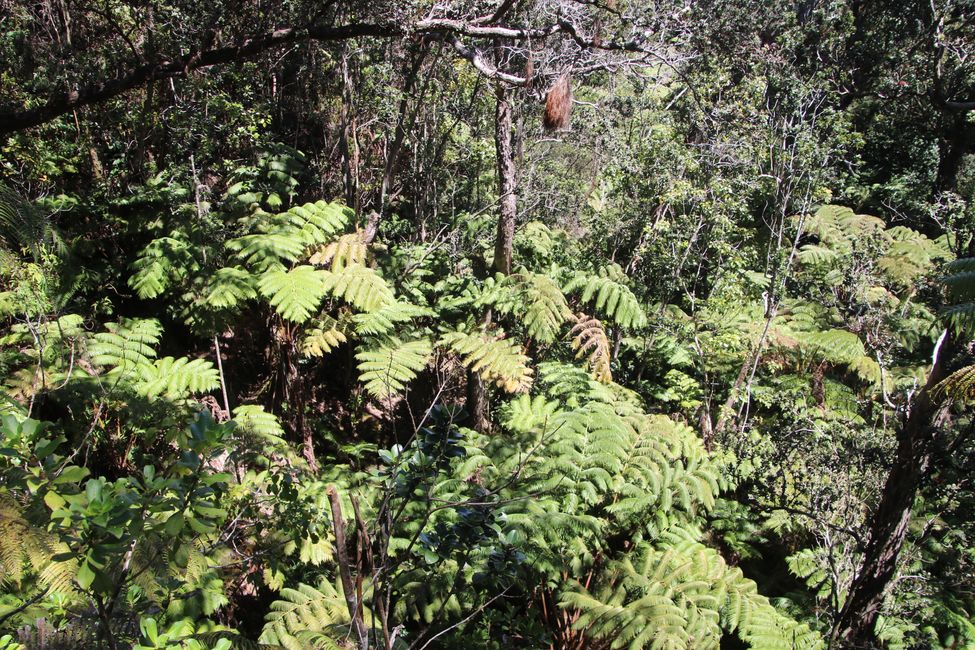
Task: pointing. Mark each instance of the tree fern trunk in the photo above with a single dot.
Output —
(888, 527)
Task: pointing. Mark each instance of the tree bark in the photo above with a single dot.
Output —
(888, 526)
(477, 396)
(504, 145)
(345, 569)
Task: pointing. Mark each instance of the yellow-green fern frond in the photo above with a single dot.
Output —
(958, 386)
(388, 317)
(254, 420)
(500, 361)
(360, 286)
(325, 335)
(590, 341)
(344, 251)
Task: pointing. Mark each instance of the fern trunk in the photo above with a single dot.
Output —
(888, 527)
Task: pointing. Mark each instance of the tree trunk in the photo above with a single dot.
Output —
(503, 141)
(477, 396)
(888, 526)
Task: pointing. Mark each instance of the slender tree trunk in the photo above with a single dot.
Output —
(348, 143)
(888, 526)
(477, 396)
(504, 144)
(352, 599)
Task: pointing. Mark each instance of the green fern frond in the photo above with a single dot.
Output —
(535, 298)
(590, 341)
(254, 420)
(176, 378)
(609, 294)
(229, 287)
(386, 369)
(161, 263)
(835, 345)
(305, 614)
(322, 337)
(961, 285)
(295, 294)
(388, 318)
(500, 361)
(22, 226)
(266, 251)
(315, 223)
(680, 595)
(27, 552)
(958, 386)
(961, 317)
(126, 345)
(360, 286)
(344, 251)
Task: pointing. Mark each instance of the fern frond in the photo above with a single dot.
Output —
(958, 386)
(28, 551)
(126, 345)
(162, 262)
(315, 223)
(360, 286)
(536, 298)
(344, 251)
(176, 378)
(304, 614)
(609, 294)
(322, 337)
(590, 341)
(229, 287)
(388, 317)
(22, 225)
(500, 361)
(386, 369)
(254, 420)
(266, 251)
(295, 294)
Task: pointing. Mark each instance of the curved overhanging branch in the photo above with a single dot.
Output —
(140, 75)
(147, 72)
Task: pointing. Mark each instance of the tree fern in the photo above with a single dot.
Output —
(254, 420)
(386, 368)
(267, 251)
(295, 294)
(283, 238)
(500, 361)
(161, 263)
(176, 378)
(590, 341)
(307, 616)
(28, 552)
(323, 336)
(388, 317)
(126, 345)
(360, 286)
(608, 293)
(22, 226)
(535, 298)
(229, 287)
(680, 594)
(348, 249)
